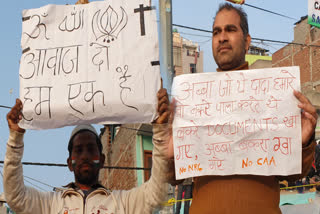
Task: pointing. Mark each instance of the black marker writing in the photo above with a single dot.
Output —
(52, 61)
(77, 93)
(124, 79)
(107, 26)
(30, 98)
(73, 22)
(100, 49)
(37, 29)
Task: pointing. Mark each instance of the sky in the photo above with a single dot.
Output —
(50, 146)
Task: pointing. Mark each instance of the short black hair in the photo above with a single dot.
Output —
(70, 144)
(243, 16)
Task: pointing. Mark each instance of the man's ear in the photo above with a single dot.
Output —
(248, 42)
(102, 159)
(69, 162)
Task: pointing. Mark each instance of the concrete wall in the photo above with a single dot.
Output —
(307, 58)
(121, 152)
(253, 58)
(182, 60)
(261, 64)
(187, 60)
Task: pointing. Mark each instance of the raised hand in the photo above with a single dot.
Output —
(14, 116)
(309, 117)
(163, 107)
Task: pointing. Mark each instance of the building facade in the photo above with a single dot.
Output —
(187, 57)
(128, 146)
(307, 57)
(258, 58)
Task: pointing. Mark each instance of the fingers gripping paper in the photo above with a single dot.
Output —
(92, 63)
(239, 122)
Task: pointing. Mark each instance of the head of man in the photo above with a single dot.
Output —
(85, 155)
(230, 37)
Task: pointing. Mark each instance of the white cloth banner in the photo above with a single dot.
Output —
(239, 122)
(92, 63)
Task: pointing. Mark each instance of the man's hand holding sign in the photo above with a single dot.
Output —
(309, 118)
(243, 122)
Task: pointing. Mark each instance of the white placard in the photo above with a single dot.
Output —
(91, 63)
(239, 122)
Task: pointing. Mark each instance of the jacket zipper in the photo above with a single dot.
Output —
(84, 198)
(84, 205)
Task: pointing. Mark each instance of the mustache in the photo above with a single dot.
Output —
(90, 163)
(224, 46)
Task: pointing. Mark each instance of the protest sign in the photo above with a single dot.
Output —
(314, 13)
(91, 63)
(239, 122)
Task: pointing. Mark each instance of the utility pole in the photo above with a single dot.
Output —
(166, 60)
(166, 55)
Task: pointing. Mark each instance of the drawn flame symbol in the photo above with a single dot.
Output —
(107, 25)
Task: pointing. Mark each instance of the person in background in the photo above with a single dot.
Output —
(186, 188)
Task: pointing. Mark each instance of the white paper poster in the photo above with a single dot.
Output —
(91, 63)
(239, 122)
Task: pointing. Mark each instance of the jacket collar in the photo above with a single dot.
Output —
(73, 189)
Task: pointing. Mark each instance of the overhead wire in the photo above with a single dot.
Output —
(105, 167)
(34, 185)
(191, 34)
(29, 181)
(38, 181)
(261, 44)
(2, 106)
(32, 180)
(269, 11)
(197, 35)
(268, 45)
(192, 28)
(65, 165)
(253, 38)
(198, 42)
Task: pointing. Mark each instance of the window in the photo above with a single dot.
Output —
(193, 68)
(147, 164)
